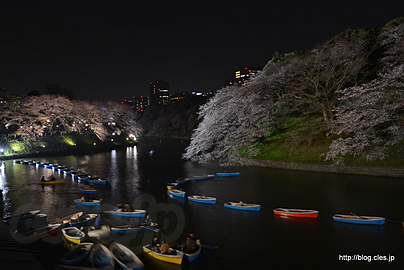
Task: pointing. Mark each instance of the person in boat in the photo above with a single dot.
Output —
(190, 245)
(132, 223)
(53, 178)
(148, 221)
(127, 208)
(165, 247)
(43, 179)
(98, 222)
(155, 246)
(82, 199)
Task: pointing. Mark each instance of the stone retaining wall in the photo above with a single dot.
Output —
(375, 171)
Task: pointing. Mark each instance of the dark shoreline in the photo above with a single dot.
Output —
(76, 151)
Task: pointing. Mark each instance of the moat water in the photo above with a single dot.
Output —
(234, 239)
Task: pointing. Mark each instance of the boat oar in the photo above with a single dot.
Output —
(157, 230)
(358, 216)
(210, 247)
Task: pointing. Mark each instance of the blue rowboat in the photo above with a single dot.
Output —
(134, 213)
(98, 181)
(227, 174)
(83, 179)
(101, 257)
(359, 219)
(92, 203)
(183, 181)
(192, 256)
(82, 221)
(177, 193)
(123, 229)
(82, 175)
(125, 257)
(242, 206)
(68, 172)
(204, 177)
(78, 254)
(87, 191)
(202, 199)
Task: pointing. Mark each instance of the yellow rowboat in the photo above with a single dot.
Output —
(73, 235)
(175, 258)
(52, 182)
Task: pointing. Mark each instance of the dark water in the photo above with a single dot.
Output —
(234, 239)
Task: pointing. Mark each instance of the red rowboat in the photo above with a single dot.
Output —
(302, 213)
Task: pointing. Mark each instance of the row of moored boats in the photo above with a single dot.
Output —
(175, 189)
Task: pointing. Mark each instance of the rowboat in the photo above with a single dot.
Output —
(24, 216)
(27, 223)
(78, 254)
(177, 193)
(83, 179)
(243, 206)
(202, 199)
(359, 219)
(92, 203)
(68, 172)
(87, 191)
(73, 235)
(103, 233)
(98, 181)
(37, 234)
(134, 213)
(123, 229)
(65, 221)
(302, 213)
(101, 257)
(125, 257)
(183, 181)
(85, 220)
(80, 175)
(175, 258)
(171, 185)
(192, 256)
(204, 177)
(227, 174)
(52, 182)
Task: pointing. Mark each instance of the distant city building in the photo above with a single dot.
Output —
(160, 92)
(240, 75)
(138, 104)
(180, 96)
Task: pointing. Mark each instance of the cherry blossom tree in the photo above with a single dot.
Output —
(370, 116)
(38, 116)
(231, 121)
(315, 76)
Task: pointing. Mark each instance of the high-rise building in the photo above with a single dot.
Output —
(240, 75)
(160, 92)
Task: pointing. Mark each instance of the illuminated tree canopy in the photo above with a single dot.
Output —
(37, 116)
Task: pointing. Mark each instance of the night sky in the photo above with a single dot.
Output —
(111, 50)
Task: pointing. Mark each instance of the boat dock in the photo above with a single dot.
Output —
(16, 255)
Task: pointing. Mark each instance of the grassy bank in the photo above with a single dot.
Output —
(304, 139)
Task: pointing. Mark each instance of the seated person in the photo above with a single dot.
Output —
(155, 244)
(164, 248)
(190, 245)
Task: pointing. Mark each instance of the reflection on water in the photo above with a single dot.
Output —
(140, 179)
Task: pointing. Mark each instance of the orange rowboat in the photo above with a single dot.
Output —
(300, 213)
